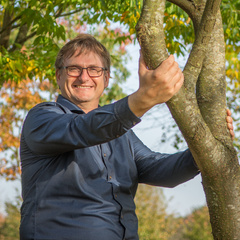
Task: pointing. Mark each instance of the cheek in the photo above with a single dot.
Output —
(63, 84)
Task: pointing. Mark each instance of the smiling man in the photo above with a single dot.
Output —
(81, 163)
(82, 78)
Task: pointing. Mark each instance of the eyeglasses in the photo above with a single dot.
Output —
(74, 71)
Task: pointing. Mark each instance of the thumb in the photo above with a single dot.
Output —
(142, 66)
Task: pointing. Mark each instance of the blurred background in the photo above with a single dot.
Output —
(31, 34)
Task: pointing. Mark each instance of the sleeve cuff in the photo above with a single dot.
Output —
(124, 114)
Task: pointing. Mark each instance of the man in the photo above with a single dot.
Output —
(81, 163)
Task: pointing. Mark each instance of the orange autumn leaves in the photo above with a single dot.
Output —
(15, 100)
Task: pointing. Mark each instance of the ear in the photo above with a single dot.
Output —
(106, 79)
(57, 73)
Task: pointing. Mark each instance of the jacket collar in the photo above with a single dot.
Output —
(68, 104)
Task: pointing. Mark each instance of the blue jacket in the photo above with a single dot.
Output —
(80, 172)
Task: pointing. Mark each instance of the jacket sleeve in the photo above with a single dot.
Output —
(165, 170)
(50, 130)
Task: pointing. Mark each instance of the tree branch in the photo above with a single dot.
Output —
(150, 37)
(5, 35)
(10, 24)
(196, 132)
(211, 86)
(203, 36)
(58, 13)
(72, 12)
(189, 6)
(21, 41)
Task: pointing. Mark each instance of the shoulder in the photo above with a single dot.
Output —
(50, 106)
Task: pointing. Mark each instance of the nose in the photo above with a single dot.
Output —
(84, 75)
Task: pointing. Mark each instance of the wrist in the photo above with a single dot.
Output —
(138, 105)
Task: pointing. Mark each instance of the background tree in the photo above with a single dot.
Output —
(201, 103)
(16, 100)
(196, 225)
(9, 228)
(31, 34)
(154, 220)
(155, 223)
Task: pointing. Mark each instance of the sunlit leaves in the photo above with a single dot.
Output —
(178, 30)
(25, 68)
(111, 94)
(16, 100)
(52, 23)
(197, 225)
(154, 221)
(231, 19)
(231, 23)
(9, 226)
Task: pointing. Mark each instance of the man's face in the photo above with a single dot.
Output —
(84, 91)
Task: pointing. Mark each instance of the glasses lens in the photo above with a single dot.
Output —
(73, 71)
(77, 71)
(94, 71)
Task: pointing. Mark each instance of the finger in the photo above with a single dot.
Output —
(170, 58)
(142, 65)
(175, 75)
(229, 119)
(230, 126)
(179, 83)
(171, 72)
(229, 112)
(168, 63)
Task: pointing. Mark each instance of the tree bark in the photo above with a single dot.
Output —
(151, 34)
(201, 103)
(6, 28)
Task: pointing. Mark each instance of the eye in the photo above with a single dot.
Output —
(73, 69)
(93, 69)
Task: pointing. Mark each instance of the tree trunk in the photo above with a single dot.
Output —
(6, 28)
(201, 103)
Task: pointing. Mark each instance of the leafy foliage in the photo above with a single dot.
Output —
(31, 34)
(154, 221)
(16, 100)
(197, 225)
(9, 228)
(231, 21)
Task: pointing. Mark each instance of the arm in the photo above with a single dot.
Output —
(165, 170)
(49, 130)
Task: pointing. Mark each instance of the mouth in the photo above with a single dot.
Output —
(82, 87)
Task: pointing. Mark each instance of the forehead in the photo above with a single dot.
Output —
(85, 58)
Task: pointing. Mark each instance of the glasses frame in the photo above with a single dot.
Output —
(81, 71)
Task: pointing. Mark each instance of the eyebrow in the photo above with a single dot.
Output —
(76, 65)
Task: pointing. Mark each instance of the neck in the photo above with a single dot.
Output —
(87, 107)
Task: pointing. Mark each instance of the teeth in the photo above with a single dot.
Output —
(82, 87)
